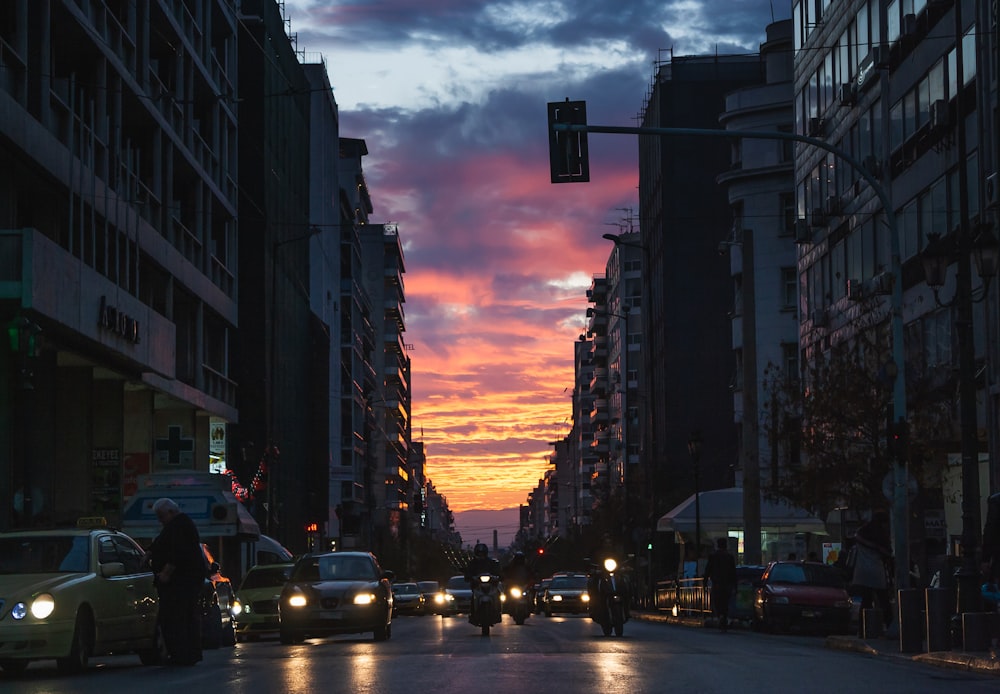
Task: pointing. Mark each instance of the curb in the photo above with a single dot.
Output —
(987, 663)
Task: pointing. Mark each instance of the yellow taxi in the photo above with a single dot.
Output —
(72, 593)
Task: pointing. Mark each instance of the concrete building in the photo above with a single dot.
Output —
(118, 250)
(683, 215)
(906, 89)
(761, 253)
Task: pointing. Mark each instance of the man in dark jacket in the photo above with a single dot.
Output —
(178, 561)
(721, 571)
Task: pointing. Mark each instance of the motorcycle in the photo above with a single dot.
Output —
(485, 602)
(517, 603)
(609, 610)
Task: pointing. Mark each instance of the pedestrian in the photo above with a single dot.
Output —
(872, 561)
(178, 562)
(721, 571)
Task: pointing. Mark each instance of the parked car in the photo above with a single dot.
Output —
(566, 593)
(407, 599)
(457, 596)
(336, 593)
(70, 594)
(219, 607)
(259, 595)
(802, 595)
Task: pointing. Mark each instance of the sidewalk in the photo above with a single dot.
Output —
(987, 662)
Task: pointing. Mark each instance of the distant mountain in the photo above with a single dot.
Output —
(478, 526)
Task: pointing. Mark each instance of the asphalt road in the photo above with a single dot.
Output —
(559, 654)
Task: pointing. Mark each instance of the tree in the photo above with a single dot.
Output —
(831, 429)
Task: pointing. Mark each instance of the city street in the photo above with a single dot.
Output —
(563, 653)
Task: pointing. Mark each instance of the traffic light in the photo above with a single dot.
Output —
(541, 551)
(569, 157)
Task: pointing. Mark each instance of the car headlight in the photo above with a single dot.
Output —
(485, 578)
(556, 598)
(364, 598)
(585, 597)
(610, 565)
(439, 599)
(503, 598)
(515, 592)
(42, 606)
(236, 608)
(297, 599)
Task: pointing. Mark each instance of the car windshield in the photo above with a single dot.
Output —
(429, 586)
(405, 589)
(457, 583)
(45, 554)
(806, 574)
(568, 583)
(346, 569)
(269, 577)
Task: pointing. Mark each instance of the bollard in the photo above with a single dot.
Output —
(976, 631)
(872, 623)
(910, 603)
(939, 605)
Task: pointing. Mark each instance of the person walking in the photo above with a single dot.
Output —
(721, 571)
(178, 562)
(872, 559)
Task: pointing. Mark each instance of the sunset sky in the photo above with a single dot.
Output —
(450, 96)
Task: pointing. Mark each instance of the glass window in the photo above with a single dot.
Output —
(923, 92)
(909, 242)
(969, 55)
(789, 286)
(845, 72)
(896, 126)
(935, 80)
(867, 249)
(892, 19)
(972, 174)
(864, 40)
(952, 71)
(854, 255)
(876, 113)
(909, 114)
(837, 269)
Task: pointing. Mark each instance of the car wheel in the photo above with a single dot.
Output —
(14, 667)
(83, 643)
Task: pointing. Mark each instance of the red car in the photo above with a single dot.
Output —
(810, 596)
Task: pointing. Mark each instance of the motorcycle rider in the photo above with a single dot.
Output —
(480, 563)
(517, 572)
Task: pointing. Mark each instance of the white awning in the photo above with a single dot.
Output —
(722, 510)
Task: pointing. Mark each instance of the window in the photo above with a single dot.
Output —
(789, 287)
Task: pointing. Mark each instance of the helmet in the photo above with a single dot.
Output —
(481, 550)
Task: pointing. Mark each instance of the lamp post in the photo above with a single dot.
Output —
(936, 259)
(694, 448)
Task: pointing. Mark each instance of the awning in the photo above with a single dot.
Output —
(722, 511)
(205, 497)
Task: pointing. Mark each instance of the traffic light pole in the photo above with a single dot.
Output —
(568, 152)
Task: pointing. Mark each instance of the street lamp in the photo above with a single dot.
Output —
(694, 448)
(936, 259)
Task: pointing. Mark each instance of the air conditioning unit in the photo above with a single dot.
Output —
(909, 28)
(819, 317)
(223, 513)
(881, 284)
(855, 290)
(992, 190)
(848, 94)
(817, 127)
(939, 114)
(802, 232)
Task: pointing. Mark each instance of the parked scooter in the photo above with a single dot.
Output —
(609, 609)
(485, 602)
